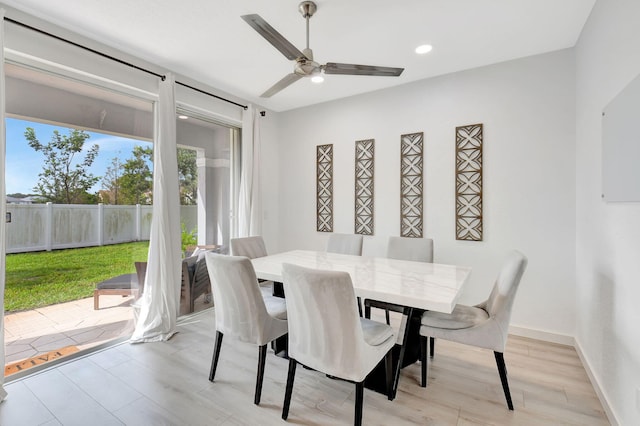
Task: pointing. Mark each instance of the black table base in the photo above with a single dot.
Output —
(376, 380)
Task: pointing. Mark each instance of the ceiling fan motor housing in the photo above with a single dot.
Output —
(305, 67)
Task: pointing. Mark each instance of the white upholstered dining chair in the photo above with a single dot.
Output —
(345, 244)
(252, 247)
(485, 325)
(326, 334)
(415, 249)
(402, 248)
(242, 311)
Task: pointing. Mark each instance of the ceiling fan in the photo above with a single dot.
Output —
(305, 66)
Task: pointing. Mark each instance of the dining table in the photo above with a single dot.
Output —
(415, 286)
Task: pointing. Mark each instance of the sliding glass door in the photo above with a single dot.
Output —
(210, 146)
(78, 184)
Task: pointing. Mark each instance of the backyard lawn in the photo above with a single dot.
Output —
(39, 279)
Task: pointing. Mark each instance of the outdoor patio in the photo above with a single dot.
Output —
(73, 326)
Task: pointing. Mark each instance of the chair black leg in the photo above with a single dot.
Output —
(216, 355)
(367, 310)
(386, 314)
(388, 370)
(359, 398)
(359, 306)
(432, 341)
(423, 361)
(502, 369)
(262, 355)
(289, 389)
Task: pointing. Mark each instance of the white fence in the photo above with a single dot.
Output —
(36, 227)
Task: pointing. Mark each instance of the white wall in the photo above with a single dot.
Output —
(528, 111)
(271, 174)
(608, 234)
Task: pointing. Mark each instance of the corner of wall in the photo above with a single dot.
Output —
(608, 410)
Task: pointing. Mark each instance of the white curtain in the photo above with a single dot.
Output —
(250, 198)
(3, 201)
(160, 301)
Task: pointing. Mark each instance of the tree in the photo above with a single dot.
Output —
(131, 182)
(64, 179)
(188, 176)
(136, 182)
(111, 182)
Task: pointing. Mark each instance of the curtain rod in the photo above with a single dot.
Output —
(118, 60)
(210, 94)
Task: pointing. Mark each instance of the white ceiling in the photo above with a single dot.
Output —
(206, 40)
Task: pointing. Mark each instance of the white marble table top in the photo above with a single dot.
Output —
(429, 286)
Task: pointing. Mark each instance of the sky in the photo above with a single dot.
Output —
(23, 163)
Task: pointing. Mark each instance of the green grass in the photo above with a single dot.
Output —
(40, 279)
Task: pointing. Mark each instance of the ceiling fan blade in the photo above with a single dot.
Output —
(273, 37)
(352, 69)
(285, 82)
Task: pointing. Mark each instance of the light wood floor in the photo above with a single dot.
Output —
(167, 384)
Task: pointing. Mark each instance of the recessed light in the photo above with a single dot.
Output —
(183, 117)
(422, 49)
(317, 79)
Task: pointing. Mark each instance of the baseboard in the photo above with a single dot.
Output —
(545, 336)
(563, 339)
(596, 386)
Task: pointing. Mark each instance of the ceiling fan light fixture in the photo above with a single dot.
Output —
(317, 78)
(423, 48)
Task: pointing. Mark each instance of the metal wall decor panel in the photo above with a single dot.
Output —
(364, 187)
(469, 182)
(324, 188)
(411, 184)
